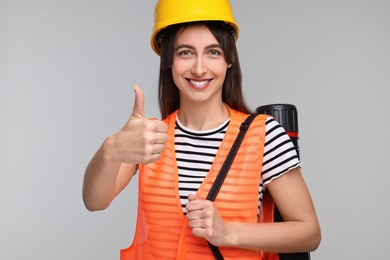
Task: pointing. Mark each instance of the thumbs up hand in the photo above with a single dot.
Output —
(141, 140)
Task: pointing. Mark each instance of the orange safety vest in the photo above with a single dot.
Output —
(162, 230)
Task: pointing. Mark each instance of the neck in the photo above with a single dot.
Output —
(203, 117)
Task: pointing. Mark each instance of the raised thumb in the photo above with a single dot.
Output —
(139, 103)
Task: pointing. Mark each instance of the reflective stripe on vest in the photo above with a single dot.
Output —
(162, 230)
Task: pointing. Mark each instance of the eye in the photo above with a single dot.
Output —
(185, 53)
(215, 52)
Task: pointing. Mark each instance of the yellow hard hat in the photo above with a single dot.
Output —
(170, 12)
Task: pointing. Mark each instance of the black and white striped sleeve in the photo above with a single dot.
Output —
(280, 155)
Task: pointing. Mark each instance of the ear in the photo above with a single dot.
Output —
(229, 65)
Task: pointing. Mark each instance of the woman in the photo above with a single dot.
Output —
(179, 157)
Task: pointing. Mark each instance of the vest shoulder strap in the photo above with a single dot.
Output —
(224, 170)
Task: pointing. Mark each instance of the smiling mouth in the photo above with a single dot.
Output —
(199, 83)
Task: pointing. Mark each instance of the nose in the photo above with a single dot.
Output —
(199, 68)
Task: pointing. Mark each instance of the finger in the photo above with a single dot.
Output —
(192, 197)
(151, 158)
(157, 126)
(159, 138)
(193, 203)
(139, 103)
(195, 223)
(161, 127)
(199, 232)
(157, 148)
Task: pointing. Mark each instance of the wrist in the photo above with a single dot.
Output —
(107, 148)
(231, 239)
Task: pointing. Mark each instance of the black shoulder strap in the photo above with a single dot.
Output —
(229, 159)
(224, 170)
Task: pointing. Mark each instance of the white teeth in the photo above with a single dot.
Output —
(199, 83)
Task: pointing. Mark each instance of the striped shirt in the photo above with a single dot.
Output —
(196, 150)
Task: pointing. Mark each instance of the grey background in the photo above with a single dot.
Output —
(67, 69)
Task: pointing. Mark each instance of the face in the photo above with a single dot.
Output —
(199, 67)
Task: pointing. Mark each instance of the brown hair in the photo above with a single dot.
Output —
(168, 93)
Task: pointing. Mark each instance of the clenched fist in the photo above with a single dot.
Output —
(205, 221)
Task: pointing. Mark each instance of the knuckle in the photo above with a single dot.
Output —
(143, 160)
(161, 124)
(162, 147)
(147, 138)
(147, 158)
(208, 224)
(148, 126)
(196, 232)
(151, 125)
(208, 214)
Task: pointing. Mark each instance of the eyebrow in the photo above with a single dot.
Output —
(214, 45)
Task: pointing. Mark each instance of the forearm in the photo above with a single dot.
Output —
(281, 237)
(100, 180)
